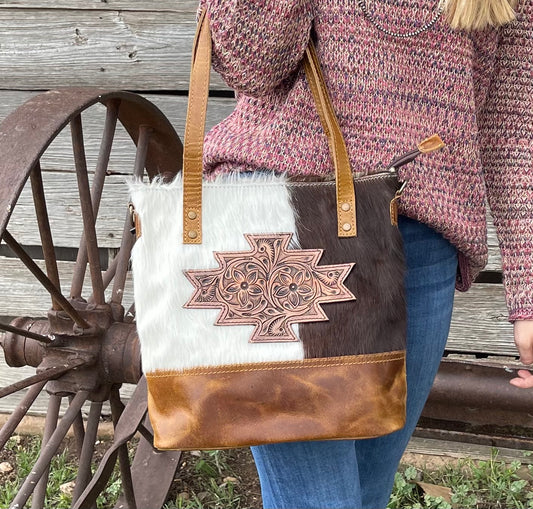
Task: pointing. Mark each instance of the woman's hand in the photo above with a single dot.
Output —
(523, 338)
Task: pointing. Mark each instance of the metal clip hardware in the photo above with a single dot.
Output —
(135, 222)
(394, 204)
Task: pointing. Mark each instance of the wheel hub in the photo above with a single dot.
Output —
(109, 351)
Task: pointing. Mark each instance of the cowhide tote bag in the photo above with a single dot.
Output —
(269, 309)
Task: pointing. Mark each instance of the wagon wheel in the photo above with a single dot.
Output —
(85, 345)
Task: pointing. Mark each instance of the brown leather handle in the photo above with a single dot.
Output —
(194, 133)
(346, 212)
(195, 129)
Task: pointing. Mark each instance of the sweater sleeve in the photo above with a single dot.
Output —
(258, 43)
(506, 136)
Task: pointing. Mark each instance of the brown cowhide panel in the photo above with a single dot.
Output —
(376, 321)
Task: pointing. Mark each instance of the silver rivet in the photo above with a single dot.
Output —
(346, 207)
(346, 227)
(192, 215)
(192, 234)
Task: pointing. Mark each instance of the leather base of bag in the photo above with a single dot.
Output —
(354, 396)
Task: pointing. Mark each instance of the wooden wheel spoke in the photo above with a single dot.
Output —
(44, 228)
(44, 280)
(90, 241)
(128, 239)
(110, 272)
(50, 449)
(150, 491)
(104, 154)
(117, 409)
(79, 430)
(125, 428)
(118, 268)
(108, 276)
(123, 259)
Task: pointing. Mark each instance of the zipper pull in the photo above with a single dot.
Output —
(424, 147)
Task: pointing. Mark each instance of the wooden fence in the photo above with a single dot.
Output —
(144, 47)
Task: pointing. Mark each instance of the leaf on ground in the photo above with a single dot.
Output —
(434, 490)
(67, 488)
(232, 480)
(522, 473)
(5, 467)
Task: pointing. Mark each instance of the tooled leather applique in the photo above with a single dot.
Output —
(270, 287)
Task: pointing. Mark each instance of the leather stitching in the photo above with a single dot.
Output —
(303, 364)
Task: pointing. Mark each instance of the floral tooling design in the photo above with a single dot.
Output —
(270, 287)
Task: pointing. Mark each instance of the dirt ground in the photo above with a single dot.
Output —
(241, 465)
(238, 463)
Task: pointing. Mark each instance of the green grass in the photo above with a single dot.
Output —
(63, 470)
(214, 487)
(488, 484)
(207, 481)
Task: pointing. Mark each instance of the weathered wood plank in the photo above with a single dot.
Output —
(479, 322)
(495, 258)
(22, 295)
(185, 6)
(59, 156)
(424, 453)
(111, 49)
(65, 213)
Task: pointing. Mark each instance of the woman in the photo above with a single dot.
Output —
(397, 71)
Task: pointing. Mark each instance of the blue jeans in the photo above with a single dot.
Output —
(356, 474)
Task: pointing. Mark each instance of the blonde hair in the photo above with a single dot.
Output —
(478, 14)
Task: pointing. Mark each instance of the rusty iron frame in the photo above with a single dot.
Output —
(472, 401)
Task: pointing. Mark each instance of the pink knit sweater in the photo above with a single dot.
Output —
(475, 90)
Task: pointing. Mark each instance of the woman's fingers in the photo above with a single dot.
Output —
(524, 379)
